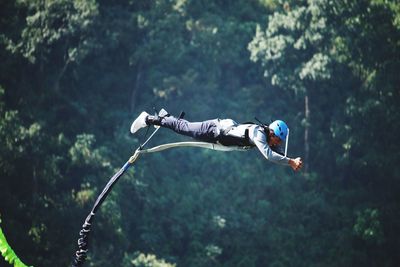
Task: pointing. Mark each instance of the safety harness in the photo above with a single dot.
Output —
(227, 139)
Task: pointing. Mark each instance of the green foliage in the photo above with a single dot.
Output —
(293, 47)
(143, 260)
(368, 226)
(7, 252)
(55, 23)
(15, 138)
(82, 151)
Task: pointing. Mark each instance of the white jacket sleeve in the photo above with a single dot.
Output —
(260, 140)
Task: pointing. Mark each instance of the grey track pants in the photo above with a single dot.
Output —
(206, 131)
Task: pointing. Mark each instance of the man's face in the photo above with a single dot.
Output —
(273, 139)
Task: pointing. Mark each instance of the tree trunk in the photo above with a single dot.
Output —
(136, 87)
(306, 134)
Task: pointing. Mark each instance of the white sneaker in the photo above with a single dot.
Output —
(140, 122)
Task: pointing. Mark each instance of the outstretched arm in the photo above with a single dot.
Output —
(262, 145)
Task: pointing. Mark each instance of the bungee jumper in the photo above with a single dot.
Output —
(217, 134)
(268, 139)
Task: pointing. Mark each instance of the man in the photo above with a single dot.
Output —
(226, 132)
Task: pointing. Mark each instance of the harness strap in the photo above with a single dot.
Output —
(230, 140)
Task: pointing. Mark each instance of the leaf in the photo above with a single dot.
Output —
(7, 252)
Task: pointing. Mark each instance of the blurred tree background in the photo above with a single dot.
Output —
(75, 73)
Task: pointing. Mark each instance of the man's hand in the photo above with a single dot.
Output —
(296, 163)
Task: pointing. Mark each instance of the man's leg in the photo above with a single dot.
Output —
(205, 131)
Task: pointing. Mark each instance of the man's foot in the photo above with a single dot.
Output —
(145, 119)
(140, 122)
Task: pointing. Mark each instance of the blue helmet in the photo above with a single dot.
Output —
(280, 129)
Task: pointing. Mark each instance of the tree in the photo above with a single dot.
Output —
(294, 50)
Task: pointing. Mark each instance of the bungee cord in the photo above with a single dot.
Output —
(81, 253)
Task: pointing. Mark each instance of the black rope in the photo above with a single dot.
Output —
(144, 137)
(80, 254)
